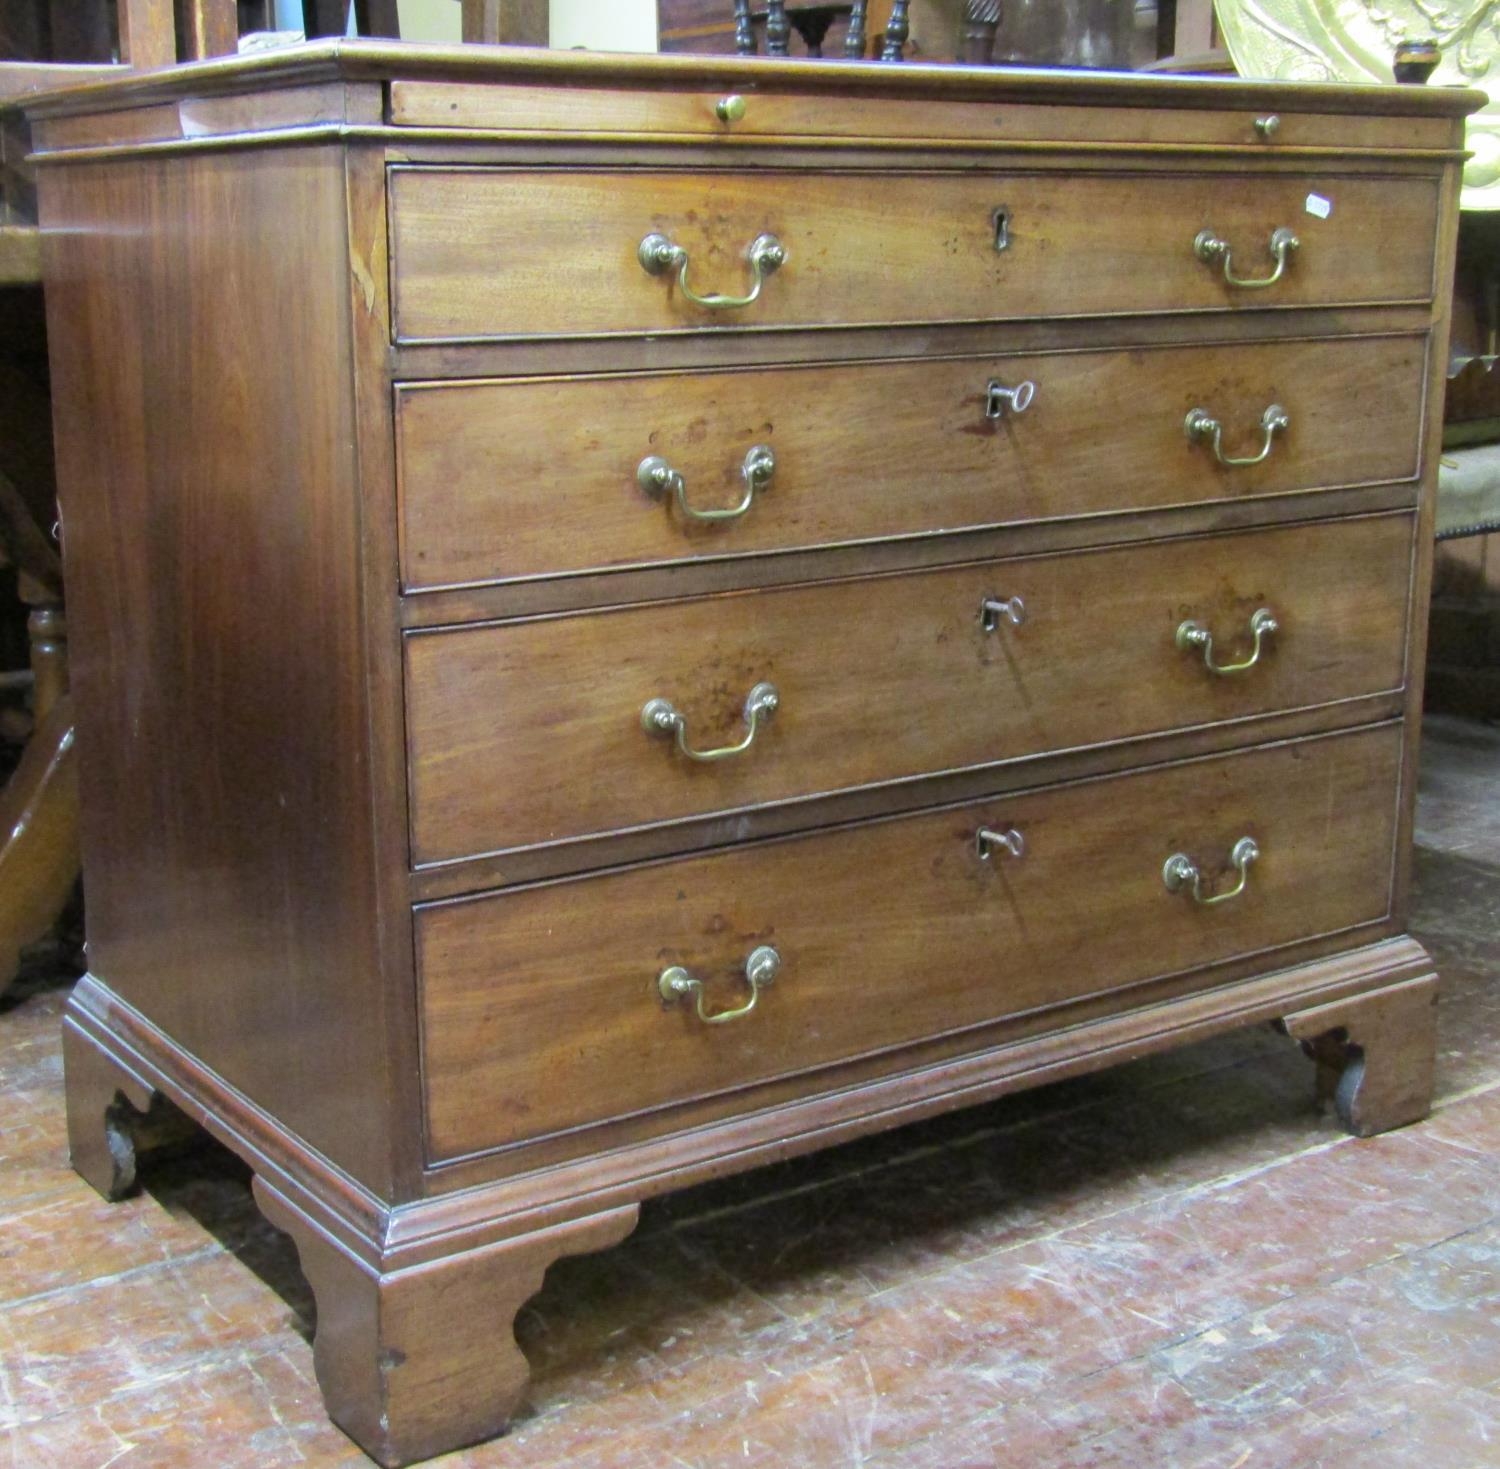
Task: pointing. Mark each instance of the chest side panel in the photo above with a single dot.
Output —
(199, 321)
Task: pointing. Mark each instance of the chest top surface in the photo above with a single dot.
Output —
(402, 67)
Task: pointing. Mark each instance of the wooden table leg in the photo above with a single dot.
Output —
(1374, 1054)
(47, 630)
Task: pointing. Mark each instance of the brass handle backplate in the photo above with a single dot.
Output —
(661, 717)
(1180, 873)
(1201, 426)
(761, 967)
(657, 477)
(658, 255)
(1212, 250)
(1195, 635)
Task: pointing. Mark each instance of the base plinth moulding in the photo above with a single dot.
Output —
(416, 1300)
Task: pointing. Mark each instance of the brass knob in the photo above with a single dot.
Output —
(1266, 127)
(730, 109)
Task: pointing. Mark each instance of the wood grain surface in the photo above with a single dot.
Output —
(531, 732)
(867, 250)
(510, 479)
(374, 60)
(787, 114)
(209, 489)
(331, 624)
(540, 1008)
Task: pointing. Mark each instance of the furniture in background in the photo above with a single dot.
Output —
(1187, 39)
(39, 800)
(730, 26)
(508, 22)
(1091, 33)
(1097, 33)
(811, 22)
(866, 624)
(331, 17)
(773, 25)
(1463, 675)
(500, 22)
(979, 31)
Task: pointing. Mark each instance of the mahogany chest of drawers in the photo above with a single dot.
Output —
(635, 618)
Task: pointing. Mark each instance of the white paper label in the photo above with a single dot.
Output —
(1318, 206)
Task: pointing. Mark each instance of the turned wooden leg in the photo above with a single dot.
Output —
(1374, 1054)
(744, 31)
(778, 29)
(422, 1360)
(47, 630)
(897, 32)
(854, 37)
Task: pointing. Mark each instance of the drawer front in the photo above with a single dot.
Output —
(542, 1008)
(533, 732)
(905, 120)
(504, 480)
(488, 252)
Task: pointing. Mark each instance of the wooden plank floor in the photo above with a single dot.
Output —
(1178, 1263)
